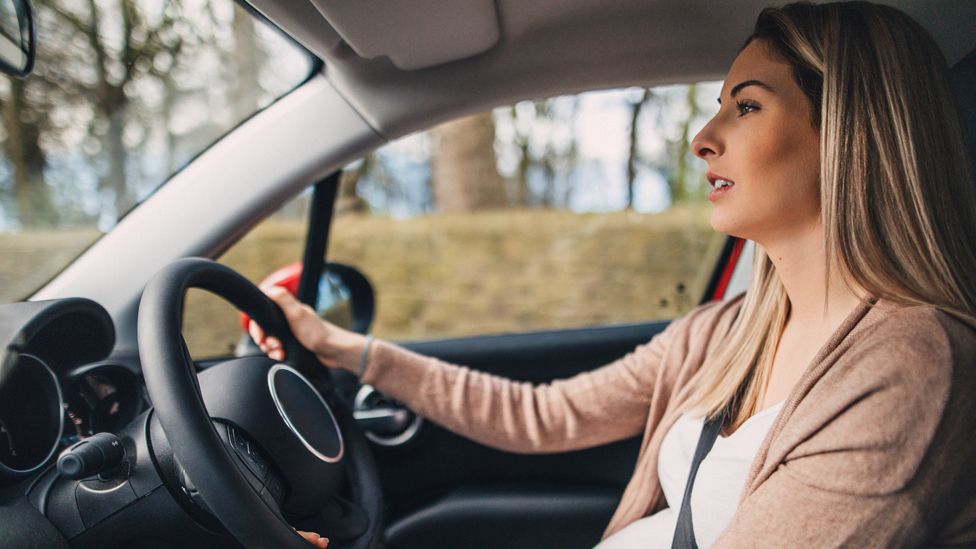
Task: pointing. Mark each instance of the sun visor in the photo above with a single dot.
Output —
(414, 34)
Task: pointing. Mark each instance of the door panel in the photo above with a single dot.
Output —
(444, 490)
(514, 517)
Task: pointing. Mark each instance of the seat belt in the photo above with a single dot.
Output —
(684, 532)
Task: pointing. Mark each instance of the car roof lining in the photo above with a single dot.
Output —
(386, 61)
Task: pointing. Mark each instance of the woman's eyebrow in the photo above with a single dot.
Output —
(738, 87)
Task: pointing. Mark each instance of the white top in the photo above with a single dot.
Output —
(721, 478)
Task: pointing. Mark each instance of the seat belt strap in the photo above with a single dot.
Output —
(684, 532)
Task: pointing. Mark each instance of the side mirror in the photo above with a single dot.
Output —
(345, 296)
(16, 37)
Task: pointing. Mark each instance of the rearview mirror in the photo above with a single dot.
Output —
(16, 37)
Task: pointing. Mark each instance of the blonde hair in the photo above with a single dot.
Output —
(898, 204)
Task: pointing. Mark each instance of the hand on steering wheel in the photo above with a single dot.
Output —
(333, 346)
(314, 539)
(259, 439)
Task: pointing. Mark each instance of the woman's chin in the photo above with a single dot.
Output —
(721, 223)
(726, 225)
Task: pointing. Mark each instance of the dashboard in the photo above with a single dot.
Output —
(45, 408)
(55, 386)
(118, 482)
(60, 392)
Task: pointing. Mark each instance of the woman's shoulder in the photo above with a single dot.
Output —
(876, 411)
(918, 347)
(918, 330)
(707, 322)
(713, 313)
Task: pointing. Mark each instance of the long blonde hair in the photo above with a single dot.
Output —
(898, 204)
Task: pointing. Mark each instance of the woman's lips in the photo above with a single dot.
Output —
(720, 186)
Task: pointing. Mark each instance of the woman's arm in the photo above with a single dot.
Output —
(605, 405)
(589, 409)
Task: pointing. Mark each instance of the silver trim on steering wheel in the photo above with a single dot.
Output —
(291, 426)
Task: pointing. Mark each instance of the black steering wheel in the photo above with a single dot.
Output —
(257, 440)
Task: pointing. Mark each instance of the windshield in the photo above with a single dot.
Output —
(124, 93)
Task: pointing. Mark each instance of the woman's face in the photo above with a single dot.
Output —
(763, 141)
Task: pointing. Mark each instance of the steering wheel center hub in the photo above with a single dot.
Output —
(288, 420)
(305, 413)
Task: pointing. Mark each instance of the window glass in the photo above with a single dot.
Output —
(124, 93)
(566, 212)
(211, 326)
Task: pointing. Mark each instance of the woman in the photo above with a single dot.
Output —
(847, 366)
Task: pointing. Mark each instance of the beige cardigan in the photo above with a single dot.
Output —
(874, 447)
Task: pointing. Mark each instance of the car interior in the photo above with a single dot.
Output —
(241, 450)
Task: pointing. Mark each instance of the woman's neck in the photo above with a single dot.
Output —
(801, 264)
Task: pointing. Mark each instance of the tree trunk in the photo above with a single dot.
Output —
(525, 160)
(633, 154)
(26, 158)
(166, 116)
(115, 180)
(680, 190)
(463, 168)
(247, 59)
(348, 199)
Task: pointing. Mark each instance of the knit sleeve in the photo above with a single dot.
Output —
(601, 406)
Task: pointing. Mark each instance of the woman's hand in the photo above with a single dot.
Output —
(333, 346)
(314, 539)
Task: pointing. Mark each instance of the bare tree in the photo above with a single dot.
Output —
(680, 148)
(348, 199)
(115, 65)
(544, 144)
(23, 126)
(247, 60)
(673, 113)
(464, 174)
(128, 74)
(633, 154)
(521, 181)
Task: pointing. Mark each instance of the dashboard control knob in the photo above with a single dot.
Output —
(383, 420)
(98, 454)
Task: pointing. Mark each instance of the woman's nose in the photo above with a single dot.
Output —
(705, 144)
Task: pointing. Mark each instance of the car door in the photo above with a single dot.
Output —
(444, 490)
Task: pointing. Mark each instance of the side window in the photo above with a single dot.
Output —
(567, 212)
(211, 326)
(560, 213)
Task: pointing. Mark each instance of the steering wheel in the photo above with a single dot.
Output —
(255, 439)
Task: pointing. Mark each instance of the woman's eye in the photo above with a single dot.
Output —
(744, 107)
